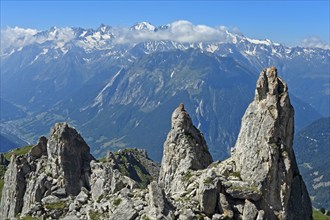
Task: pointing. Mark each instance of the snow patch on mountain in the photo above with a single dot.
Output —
(143, 26)
(45, 50)
(99, 98)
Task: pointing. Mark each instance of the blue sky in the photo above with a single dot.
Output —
(287, 22)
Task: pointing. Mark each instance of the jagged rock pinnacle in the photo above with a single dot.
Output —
(184, 148)
(263, 151)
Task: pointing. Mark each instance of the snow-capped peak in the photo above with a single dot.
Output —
(254, 41)
(104, 28)
(143, 26)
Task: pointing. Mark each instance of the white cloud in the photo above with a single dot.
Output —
(61, 35)
(180, 31)
(236, 30)
(315, 42)
(19, 37)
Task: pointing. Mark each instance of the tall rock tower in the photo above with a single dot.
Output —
(263, 152)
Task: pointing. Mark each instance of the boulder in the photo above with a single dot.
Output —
(250, 211)
(208, 192)
(124, 210)
(242, 190)
(40, 149)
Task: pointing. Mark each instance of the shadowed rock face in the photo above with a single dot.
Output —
(184, 148)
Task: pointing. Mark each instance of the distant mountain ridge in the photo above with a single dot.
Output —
(124, 79)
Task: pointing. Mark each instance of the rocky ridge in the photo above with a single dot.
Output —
(60, 179)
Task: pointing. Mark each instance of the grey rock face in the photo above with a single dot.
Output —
(35, 191)
(69, 158)
(302, 209)
(184, 149)
(158, 206)
(124, 211)
(14, 187)
(263, 151)
(250, 211)
(156, 200)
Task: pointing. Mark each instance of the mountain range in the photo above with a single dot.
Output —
(116, 85)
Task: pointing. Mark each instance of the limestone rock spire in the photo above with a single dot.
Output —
(184, 149)
(263, 152)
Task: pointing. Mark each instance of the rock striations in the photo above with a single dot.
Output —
(60, 179)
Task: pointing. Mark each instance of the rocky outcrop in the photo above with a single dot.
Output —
(128, 168)
(14, 187)
(58, 178)
(56, 167)
(184, 149)
(69, 158)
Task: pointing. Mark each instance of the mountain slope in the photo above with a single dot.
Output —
(8, 111)
(8, 142)
(313, 153)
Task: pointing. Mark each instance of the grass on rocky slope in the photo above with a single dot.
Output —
(30, 218)
(317, 215)
(18, 151)
(56, 205)
(2, 182)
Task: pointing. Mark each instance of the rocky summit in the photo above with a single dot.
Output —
(60, 179)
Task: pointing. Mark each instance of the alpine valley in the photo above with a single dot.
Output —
(119, 86)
